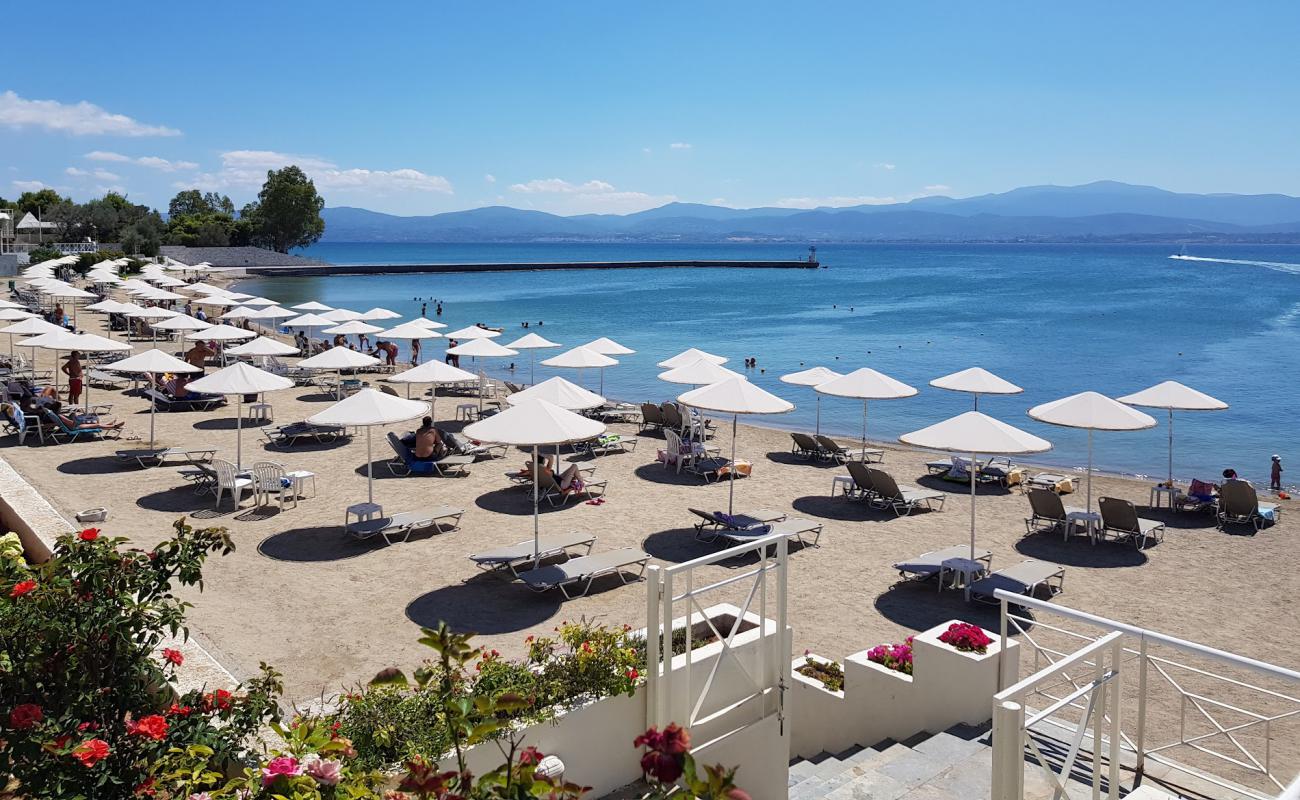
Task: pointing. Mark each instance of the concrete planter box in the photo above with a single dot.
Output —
(946, 687)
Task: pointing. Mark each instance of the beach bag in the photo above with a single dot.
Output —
(1065, 486)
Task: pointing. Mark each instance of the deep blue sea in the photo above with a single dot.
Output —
(1056, 319)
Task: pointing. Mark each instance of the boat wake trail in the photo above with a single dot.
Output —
(1280, 266)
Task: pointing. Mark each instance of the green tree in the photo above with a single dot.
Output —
(287, 211)
(144, 236)
(37, 202)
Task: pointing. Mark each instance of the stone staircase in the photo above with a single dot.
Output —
(956, 764)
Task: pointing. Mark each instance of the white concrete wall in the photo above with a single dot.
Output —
(946, 687)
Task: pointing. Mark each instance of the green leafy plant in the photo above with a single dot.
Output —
(830, 673)
(87, 708)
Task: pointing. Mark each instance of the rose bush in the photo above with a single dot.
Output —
(966, 637)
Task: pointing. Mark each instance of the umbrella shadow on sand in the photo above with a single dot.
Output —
(518, 501)
(1077, 552)
(486, 604)
(183, 500)
(678, 545)
(316, 397)
(658, 473)
(986, 489)
(97, 465)
(918, 606)
(790, 459)
(840, 509)
(227, 424)
(328, 543)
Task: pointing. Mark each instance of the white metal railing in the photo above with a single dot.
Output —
(764, 585)
(1245, 742)
(1096, 697)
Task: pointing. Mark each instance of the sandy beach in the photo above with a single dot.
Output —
(330, 611)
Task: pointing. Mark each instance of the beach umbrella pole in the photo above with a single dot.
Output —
(537, 542)
(973, 462)
(239, 431)
(532, 367)
(819, 415)
(1090, 472)
(864, 431)
(370, 470)
(731, 484)
(153, 409)
(1171, 448)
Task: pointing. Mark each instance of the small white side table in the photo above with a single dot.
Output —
(1160, 492)
(260, 412)
(964, 570)
(363, 512)
(299, 478)
(1091, 521)
(467, 411)
(845, 481)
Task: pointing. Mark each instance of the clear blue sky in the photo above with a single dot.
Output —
(420, 107)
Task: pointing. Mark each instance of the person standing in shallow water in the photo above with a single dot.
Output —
(1275, 474)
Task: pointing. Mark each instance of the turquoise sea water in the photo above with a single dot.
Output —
(1056, 319)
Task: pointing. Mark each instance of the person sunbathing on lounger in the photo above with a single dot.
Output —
(88, 422)
(527, 471)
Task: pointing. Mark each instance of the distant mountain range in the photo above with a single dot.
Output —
(1101, 211)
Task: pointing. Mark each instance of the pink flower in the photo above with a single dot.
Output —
(284, 765)
(326, 771)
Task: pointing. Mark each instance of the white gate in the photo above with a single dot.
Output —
(736, 687)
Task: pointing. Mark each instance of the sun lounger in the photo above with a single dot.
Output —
(606, 444)
(550, 546)
(98, 377)
(1023, 578)
(405, 463)
(59, 429)
(711, 521)
(863, 488)
(929, 565)
(1121, 518)
(405, 523)
(158, 456)
(805, 446)
(585, 570)
(1060, 484)
(1239, 504)
(201, 402)
(460, 445)
(791, 528)
(903, 499)
(551, 491)
(651, 417)
(842, 454)
(1047, 512)
(288, 435)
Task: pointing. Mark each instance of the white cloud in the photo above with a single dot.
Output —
(102, 155)
(246, 169)
(938, 188)
(77, 119)
(28, 186)
(646, 150)
(97, 174)
(76, 173)
(490, 178)
(885, 166)
(591, 197)
(679, 146)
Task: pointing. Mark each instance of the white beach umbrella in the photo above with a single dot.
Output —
(976, 381)
(532, 342)
(410, 332)
(581, 358)
(700, 372)
(865, 384)
(257, 302)
(31, 326)
(312, 305)
(812, 377)
(481, 348)
(52, 340)
(14, 314)
(181, 322)
(151, 312)
(339, 315)
(1094, 412)
(203, 288)
(309, 323)
(220, 333)
(976, 433)
(369, 408)
(163, 294)
(262, 346)
(155, 362)
(109, 306)
(238, 312)
(271, 312)
(240, 379)
(219, 300)
(424, 322)
(11, 304)
(1173, 396)
(339, 359)
(735, 396)
(608, 347)
(535, 423)
(557, 391)
(473, 332)
(690, 357)
(433, 372)
(378, 313)
(354, 326)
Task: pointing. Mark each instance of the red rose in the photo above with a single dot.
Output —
(89, 535)
(218, 700)
(530, 756)
(174, 656)
(661, 766)
(633, 674)
(145, 789)
(676, 740)
(153, 727)
(178, 710)
(24, 717)
(21, 588)
(91, 752)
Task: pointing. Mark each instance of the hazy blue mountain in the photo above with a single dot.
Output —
(1101, 210)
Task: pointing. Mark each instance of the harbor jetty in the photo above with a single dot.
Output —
(530, 266)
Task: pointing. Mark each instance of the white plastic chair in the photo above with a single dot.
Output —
(270, 478)
(228, 480)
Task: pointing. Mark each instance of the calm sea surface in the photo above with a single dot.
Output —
(1056, 319)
